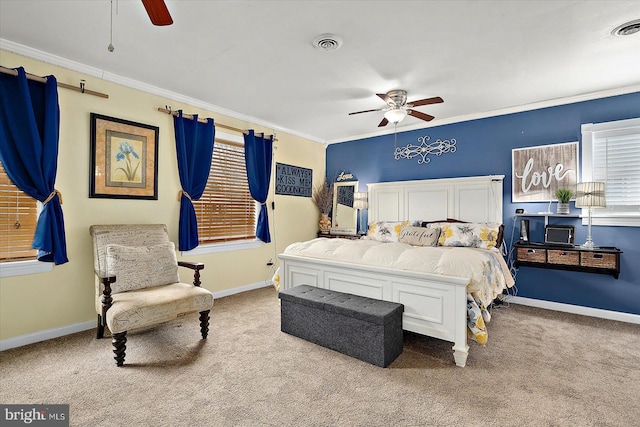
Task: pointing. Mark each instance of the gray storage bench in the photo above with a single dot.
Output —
(364, 328)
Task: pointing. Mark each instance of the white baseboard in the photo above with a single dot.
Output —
(577, 309)
(240, 289)
(48, 334)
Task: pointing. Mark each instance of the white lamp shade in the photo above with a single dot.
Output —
(360, 200)
(591, 195)
(396, 115)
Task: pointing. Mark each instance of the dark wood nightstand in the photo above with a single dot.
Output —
(602, 260)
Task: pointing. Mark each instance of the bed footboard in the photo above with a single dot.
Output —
(435, 305)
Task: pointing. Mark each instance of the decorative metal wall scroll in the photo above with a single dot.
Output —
(424, 148)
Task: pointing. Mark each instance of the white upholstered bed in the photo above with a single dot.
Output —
(435, 304)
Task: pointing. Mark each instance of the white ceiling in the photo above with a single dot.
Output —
(256, 59)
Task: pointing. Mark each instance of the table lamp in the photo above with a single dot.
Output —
(360, 202)
(590, 195)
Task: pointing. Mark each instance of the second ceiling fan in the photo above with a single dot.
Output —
(398, 108)
(158, 12)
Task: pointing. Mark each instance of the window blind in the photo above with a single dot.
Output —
(226, 211)
(18, 218)
(616, 162)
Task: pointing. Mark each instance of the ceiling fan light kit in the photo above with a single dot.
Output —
(398, 108)
(395, 115)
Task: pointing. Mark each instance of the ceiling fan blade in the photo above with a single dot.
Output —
(384, 122)
(419, 115)
(366, 111)
(158, 12)
(426, 101)
(385, 97)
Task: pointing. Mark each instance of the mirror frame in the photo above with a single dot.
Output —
(343, 230)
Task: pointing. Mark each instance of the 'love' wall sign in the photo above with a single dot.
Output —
(537, 172)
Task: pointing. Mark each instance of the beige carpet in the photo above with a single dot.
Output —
(539, 368)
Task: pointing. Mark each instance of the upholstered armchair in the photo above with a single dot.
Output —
(137, 282)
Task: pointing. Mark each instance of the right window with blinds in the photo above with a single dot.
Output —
(611, 154)
(226, 211)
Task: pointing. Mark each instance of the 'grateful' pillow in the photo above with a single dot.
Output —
(419, 236)
(139, 267)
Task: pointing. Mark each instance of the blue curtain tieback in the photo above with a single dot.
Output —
(52, 195)
(185, 194)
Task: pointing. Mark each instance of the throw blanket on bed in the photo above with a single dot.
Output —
(486, 269)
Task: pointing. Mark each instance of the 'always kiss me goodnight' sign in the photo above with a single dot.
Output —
(293, 180)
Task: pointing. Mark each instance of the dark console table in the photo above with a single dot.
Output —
(602, 260)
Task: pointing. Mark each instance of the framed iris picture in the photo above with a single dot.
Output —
(124, 159)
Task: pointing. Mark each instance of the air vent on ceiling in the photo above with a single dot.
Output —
(627, 28)
(327, 42)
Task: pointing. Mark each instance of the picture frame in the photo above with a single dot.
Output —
(537, 172)
(124, 159)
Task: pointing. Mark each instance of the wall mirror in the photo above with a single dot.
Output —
(344, 216)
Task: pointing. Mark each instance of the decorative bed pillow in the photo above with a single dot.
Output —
(139, 267)
(475, 235)
(419, 236)
(385, 231)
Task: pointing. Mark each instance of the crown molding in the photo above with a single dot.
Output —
(59, 61)
(138, 85)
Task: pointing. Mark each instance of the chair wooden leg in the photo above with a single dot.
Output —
(100, 331)
(119, 341)
(204, 324)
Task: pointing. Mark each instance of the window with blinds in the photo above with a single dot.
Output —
(611, 154)
(226, 211)
(18, 218)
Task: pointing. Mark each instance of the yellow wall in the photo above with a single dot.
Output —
(37, 302)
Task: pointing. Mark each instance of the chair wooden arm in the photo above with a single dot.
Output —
(196, 267)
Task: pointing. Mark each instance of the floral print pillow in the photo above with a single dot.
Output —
(386, 231)
(475, 235)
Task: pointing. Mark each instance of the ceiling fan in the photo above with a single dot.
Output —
(158, 12)
(398, 108)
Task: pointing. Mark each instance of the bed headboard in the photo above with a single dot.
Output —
(472, 199)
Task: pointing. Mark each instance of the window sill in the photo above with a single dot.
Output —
(223, 247)
(19, 268)
(614, 221)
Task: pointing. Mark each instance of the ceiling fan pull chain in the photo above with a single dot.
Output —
(110, 48)
(395, 139)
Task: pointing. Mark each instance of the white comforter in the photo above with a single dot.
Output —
(486, 269)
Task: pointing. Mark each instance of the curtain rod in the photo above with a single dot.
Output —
(33, 77)
(190, 117)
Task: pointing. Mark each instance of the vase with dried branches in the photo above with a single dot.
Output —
(323, 198)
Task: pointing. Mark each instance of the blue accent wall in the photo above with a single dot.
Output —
(484, 148)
